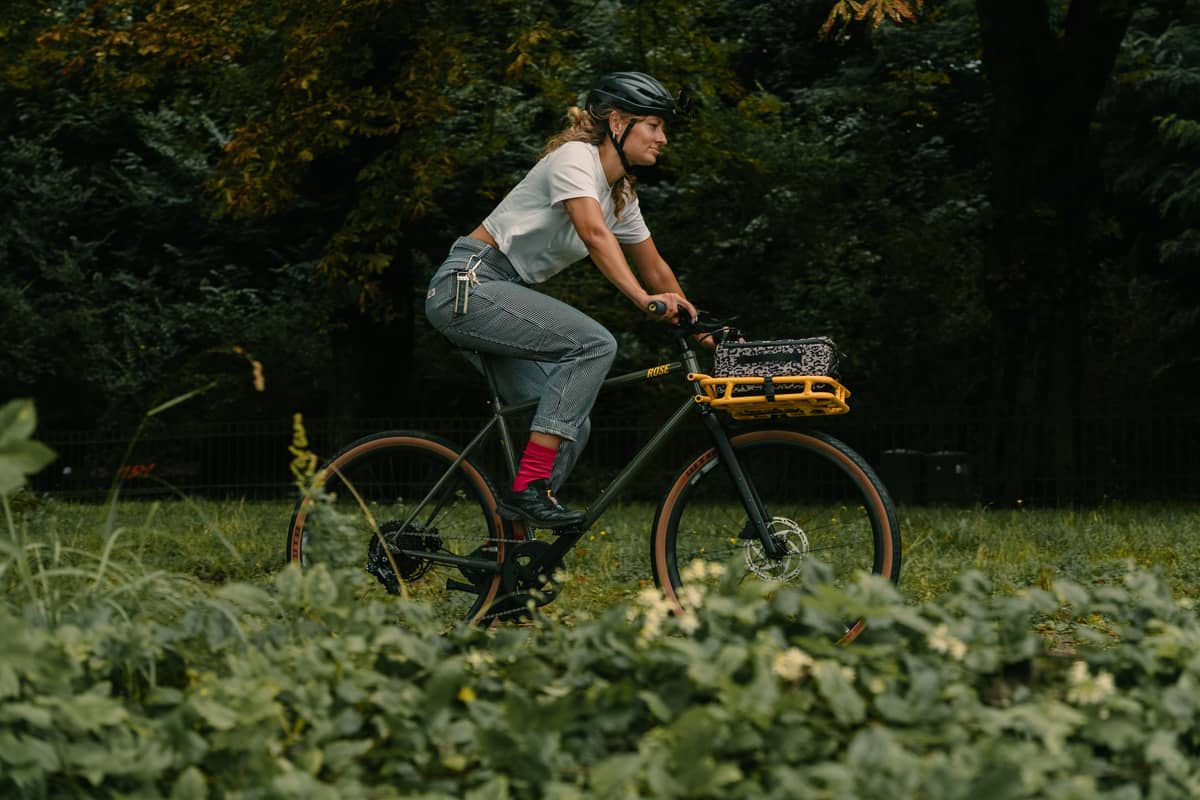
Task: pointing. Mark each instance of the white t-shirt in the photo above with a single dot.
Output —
(532, 227)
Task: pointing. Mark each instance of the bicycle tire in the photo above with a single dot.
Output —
(391, 472)
(822, 497)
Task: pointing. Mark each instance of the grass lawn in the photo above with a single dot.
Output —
(1033, 547)
(226, 541)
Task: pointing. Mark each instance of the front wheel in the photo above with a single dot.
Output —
(821, 498)
(392, 503)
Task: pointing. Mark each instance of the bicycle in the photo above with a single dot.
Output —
(769, 497)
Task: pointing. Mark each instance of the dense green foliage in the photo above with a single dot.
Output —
(123, 679)
(1152, 121)
(20, 456)
(120, 286)
(115, 682)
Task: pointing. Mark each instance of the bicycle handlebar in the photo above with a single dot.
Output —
(704, 322)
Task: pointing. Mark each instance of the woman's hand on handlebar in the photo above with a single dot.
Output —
(669, 305)
(705, 330)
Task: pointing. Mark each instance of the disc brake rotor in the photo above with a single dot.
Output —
(794, 541)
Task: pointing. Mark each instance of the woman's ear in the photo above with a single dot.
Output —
(617, 122)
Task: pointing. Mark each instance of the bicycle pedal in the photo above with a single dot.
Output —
(531, 525)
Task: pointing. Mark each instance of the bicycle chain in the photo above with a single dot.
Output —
(520, 538)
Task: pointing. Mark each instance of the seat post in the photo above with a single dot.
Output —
(506, 442)
(485, 366)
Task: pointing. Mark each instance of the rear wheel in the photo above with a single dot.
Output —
(822, 500)
(380, 511)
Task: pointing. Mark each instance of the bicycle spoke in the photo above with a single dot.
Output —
(391, 475)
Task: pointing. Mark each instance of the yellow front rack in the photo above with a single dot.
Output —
(830, 398)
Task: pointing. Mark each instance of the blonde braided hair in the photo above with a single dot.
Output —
(592, 127)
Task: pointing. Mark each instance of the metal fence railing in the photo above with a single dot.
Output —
(995, 460)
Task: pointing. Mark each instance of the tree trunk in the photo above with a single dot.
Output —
(1045, 84)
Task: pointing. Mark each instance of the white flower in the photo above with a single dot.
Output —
(690, 596)
(699, 570)
(1086, 689)
(651, 627)
(654, 609)
(793, 664)
(651, 599)
(940, 640)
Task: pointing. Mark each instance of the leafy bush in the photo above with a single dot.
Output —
(120, 282)
(118, 681)
(20, 456)
(304, 689)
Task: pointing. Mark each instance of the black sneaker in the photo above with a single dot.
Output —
(537, 505)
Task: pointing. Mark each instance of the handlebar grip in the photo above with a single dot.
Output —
(656, 307)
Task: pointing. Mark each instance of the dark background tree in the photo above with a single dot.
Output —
(993, 210)
(1047, 69)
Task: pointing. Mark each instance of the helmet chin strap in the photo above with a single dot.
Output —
(620, 145)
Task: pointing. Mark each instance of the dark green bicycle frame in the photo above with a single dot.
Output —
(567, 539)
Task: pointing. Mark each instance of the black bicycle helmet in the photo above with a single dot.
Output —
(635, 92)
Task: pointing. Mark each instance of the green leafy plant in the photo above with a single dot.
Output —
(20, 455)
(313, 685)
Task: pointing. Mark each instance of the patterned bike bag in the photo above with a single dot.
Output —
(816, 356)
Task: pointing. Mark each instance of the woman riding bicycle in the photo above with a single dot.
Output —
(578, 201)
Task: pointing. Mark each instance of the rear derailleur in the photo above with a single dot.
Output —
(384, 564)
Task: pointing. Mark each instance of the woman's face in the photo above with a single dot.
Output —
(645, 140)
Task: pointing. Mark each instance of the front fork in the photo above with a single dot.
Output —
(746, 490)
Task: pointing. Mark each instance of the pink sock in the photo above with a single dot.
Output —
(536, 462)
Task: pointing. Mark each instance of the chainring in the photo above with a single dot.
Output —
(794, 541)
(527, 579)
